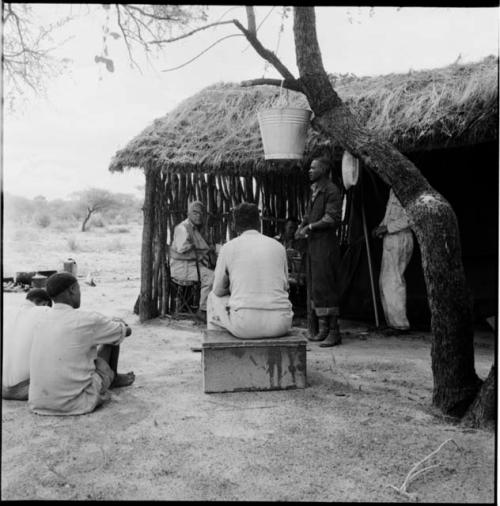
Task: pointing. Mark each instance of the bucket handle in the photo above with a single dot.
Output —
(282, 101)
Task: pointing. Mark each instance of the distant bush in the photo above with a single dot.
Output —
(118, 230)
(115, 245)
(72, 244)
(61, 226)
(42, 220)
(96, 222)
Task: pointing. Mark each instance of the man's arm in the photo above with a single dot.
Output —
(221, 276)
(395, 219)
(399, 219)
(285, 265)
(301, 232)
(182, 239)
(108, 330)
(333, 211)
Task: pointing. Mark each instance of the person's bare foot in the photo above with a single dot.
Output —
(123, 380)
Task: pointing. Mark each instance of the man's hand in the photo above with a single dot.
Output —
(379, 231)
(128, 330)
(301, 232)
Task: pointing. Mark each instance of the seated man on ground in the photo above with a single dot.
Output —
(287, 237)
(189, 254)
(295, 250)
(249, 297)
(17, 340)
(69, 375)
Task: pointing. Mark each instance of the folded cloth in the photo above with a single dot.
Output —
(17, 392)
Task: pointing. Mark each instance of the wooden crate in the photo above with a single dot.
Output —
(230, 364)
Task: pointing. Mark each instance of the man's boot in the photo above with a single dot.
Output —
(334, 338)
(323, 326)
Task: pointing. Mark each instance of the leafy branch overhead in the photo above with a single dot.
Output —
(28, 48)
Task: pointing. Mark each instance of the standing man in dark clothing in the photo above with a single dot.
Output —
(319, 225)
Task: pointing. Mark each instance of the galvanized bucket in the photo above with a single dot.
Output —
(284, 131)
(70, 266)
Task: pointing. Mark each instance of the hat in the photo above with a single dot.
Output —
(59, 282)
(350, 170)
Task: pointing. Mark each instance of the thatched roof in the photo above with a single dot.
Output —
(217, 129)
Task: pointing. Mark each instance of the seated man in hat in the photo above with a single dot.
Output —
(250, 297)
(69, 374)
(17, 340)
(190, 254)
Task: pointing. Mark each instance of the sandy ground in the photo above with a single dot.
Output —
(363, 421)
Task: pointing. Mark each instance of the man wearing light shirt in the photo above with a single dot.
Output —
(396, 254)
(69, 374)
(250, 290)
(189, 254)
(17, 340)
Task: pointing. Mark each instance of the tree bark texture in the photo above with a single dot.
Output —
(86, 219)
(433, 222)
(145, 305)
(482, 412)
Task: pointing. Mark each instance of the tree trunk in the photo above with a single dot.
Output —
(433, 222)
(145, 303)
(84, 224)
(482, 412)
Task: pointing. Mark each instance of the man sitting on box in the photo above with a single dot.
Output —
(250, 289)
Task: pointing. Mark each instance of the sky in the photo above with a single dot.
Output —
(63, 141)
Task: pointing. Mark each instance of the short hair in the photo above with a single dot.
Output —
(293, 219)
(59, 282)
(196, 204)
(323, 161)
(246, 216)
(37, 295)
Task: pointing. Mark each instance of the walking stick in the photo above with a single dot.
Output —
(367, 242)
(312, 320)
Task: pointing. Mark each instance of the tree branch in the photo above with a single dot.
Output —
(251, 20)
(125, 37)
(265, 53)
(204, 51)
(290, 85)
(138, 21)
(317, 87)
(151, 15)
(183, 36)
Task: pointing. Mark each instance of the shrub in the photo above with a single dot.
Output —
(42, 220)
(119, 230)
(96, 222)
(61, 226)
(115, 245)
(72, 244)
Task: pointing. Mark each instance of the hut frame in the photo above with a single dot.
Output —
(209, 149)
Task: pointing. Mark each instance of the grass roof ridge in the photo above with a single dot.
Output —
(217, 127)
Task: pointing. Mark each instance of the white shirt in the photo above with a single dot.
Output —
(253, 269)
(18, 333)
(395, 218)
(63, 376)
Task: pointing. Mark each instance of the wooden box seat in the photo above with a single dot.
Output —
(231, 364)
